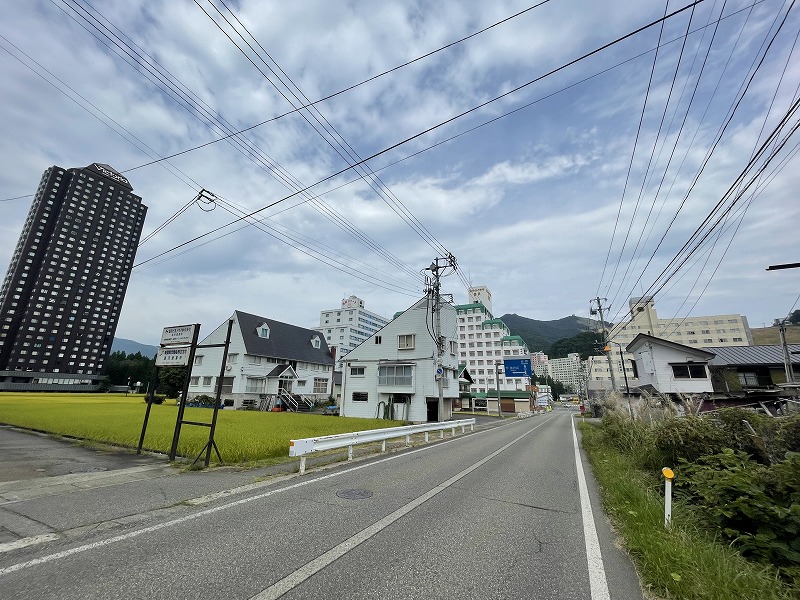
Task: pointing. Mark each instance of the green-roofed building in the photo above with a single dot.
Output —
(484, 342)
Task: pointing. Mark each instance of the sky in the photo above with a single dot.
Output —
(558, 151)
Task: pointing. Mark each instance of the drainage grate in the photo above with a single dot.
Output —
(354, 494)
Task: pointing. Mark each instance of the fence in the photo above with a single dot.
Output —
(348, 440)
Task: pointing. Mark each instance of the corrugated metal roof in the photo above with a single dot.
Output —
(752, 355)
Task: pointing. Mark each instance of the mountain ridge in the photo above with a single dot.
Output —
(540, 335)
(132, 347)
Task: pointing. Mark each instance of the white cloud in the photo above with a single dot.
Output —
(527, 204)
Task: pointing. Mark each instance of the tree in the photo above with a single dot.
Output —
(794, 318)
(127, 369)
(171, 380)
(584, 344)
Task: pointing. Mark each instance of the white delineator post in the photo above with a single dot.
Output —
(669, 475)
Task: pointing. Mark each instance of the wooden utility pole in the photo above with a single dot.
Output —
(606, 338)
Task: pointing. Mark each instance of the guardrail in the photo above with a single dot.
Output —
(348, 440)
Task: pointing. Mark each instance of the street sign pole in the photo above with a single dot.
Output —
(150, 392)
(182, 403)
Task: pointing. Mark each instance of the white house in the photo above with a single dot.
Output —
(394, 372)
(669, 367)
(267, 359)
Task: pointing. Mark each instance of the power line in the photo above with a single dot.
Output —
(447, 121)
(731, 112)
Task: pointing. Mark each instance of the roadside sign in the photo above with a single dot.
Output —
(172, 357)
(517, 367)
(180, 334)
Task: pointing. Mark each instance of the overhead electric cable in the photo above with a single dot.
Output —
(451, 119)
(462, 114)
(342, 148)
(711, 150)
(197, 107)
(674, 147)
(698, 236)
(690, 145)
(633, 152)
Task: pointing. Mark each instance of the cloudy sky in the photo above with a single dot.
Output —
(557, 153)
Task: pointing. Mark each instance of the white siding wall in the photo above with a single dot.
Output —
(242, 369)
(661, 376)
(423, 358)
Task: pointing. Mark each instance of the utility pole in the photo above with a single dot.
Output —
(437, 269)
(593, 311)
(787, 358)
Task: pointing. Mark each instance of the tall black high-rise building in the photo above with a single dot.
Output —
(62, 295)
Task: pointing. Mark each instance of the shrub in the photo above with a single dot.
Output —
(156, 399)
(755, 506)
(687, 438)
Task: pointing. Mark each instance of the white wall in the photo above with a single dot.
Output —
(654, 364)
(423, 357)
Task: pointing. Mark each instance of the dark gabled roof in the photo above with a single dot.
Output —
(463, 373)
(642, 338)
(753, 355)
(280, 370)
(285, 341)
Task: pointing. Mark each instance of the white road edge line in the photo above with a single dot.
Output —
(132, 534)
(598, 586)
(279, 588)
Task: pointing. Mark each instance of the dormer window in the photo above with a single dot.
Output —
(315, 342)
(263, 331)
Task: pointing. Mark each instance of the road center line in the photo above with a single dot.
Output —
(598, 586)
(132, 534)
(294, 579)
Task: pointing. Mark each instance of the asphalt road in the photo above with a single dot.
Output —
(503, 512)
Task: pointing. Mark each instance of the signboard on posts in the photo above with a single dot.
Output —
(173, 357)
(180, 334)
(517, 367)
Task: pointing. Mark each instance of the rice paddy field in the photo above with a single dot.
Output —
(241, 436)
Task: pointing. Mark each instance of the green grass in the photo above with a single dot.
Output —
(241, 436)
(684, 562)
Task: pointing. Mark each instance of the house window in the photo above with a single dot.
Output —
(207, 381)
(227, 385)
(254, 360)
(406, 342)
(320, 385)
(748, 379)
(263, 331)
(232, 358)
(301, 383)
(689, 371)
(198, 359)
(357, 371)
(315, 342)
(255, 386)
(453, 347)
(395, 375)
(194, 381)
(360, 396)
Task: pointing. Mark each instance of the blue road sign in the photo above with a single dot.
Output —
(517, 367)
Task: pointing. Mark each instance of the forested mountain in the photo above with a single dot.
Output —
(132, 347)
(540, 335)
